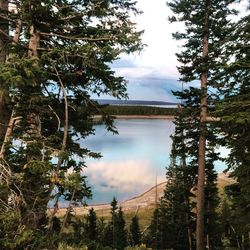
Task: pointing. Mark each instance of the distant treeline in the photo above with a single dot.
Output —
(138, 110)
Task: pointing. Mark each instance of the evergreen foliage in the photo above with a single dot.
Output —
(173, 222)
(135, 231)
(91, 226)
(206, 26)
(56, 53)
(233, 110)
(138, 110)
(117, 227)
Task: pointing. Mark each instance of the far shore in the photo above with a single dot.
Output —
(167, 117)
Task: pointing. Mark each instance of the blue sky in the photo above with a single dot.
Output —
(152, 73)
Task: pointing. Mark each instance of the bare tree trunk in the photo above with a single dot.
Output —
(4, 112)
(208, 222)
(202, 146)
(33, 42)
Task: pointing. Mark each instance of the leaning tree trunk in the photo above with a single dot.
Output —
(4, 111)
(202, 145)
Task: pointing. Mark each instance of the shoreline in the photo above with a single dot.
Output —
(128, 117)
(144, 200)
(162, 117)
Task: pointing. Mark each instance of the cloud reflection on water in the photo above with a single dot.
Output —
(130, 160)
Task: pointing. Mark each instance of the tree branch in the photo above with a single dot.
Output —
(65, 135)
(77, 38)
(66, 122)
(8, 133)
(17, 32)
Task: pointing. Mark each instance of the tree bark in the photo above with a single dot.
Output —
(34, 42)
(33, 213)
(202, 145)
(4, 27)
(4, 111)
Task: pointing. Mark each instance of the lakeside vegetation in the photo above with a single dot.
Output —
(138, 110)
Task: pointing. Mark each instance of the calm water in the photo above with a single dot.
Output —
(131, 160)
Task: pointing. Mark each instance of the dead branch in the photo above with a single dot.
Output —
(57, 117)
(66, 121)
(17, 32)
(64, 142)
(8, 133)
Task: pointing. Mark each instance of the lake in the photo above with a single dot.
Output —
(131, 160)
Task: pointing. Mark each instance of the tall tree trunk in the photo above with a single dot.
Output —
(202, 145)
(4, 112)
(3, 27)
(33, 212)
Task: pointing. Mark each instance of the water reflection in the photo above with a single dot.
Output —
(130, 160)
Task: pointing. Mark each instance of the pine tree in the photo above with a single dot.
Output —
(234, 114)
(135, 231)
(91, 227)
(120, 241)
(4, 111)
(185, 151)
(172, 224)
(153, 234)
(206, 27)
(59, 52)
(116, 234)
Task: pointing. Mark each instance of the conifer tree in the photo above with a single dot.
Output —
(116, 228)
(234, 114)
(59, 52)
(173, 219)
(120, 241)
(135, 231)
(173, 225)
(4, 112)
(154, 232)
(206, 26)
(91, 226)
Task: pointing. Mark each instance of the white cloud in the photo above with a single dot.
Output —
(146, 72)
(161, 48)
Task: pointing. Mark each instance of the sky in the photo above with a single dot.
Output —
(152, 73)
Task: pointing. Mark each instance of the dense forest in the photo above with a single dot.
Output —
(54, 55)
(138, 110)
